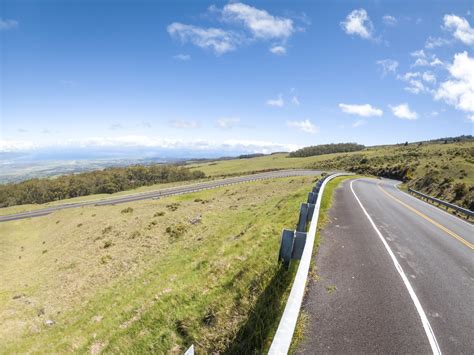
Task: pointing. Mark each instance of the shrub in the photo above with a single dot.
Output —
(176, 231)
(460, 190)
(127, 210)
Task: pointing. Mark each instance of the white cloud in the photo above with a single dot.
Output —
(216, 39)
(471, 118)
(420, 62)
(423, 60)
(278, 102)
(429, 77)
(305, 126)
(418, 54)
(278, 50)
(358, 23)
(183, 57)
(183, 124)
(359, 123)
(459, 89)
(7, 24)
(9, 145)
(364, 110)
(436, 61)
(259, 22)
(388, 66)
(251, 146)
(434, 42)
(389, 20)
(227, 122)
(295, 100)
(403, 111)
(460, 28)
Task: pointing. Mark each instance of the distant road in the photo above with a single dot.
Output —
(178, 190)
(396, 275)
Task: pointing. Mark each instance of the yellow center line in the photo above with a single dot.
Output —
(443, 228)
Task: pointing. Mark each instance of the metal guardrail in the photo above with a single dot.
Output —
(284, 334)
(467, 212)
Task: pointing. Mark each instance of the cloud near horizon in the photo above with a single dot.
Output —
(128, 142)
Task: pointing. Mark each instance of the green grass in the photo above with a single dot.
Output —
(97, 197)
(433, 168)
(204, 272)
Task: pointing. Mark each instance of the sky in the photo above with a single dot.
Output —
(226, 77)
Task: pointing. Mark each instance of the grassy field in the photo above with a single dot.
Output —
(442, 170)
(97, 197)
(150, 276)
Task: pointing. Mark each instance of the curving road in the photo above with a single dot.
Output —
(164, 192)
(396, 275)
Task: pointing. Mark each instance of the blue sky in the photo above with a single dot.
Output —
(254, 76)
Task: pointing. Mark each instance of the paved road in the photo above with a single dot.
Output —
(164, 192)
(396, 275)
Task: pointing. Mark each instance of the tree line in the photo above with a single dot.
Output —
(106, 181)
(326, 149)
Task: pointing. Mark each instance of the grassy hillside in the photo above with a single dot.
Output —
(149, 276)
(442, 170)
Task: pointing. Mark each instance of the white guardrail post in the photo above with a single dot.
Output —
(284, 334)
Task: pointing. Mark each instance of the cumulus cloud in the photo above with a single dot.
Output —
(259, 22)
(403, 111)
(415, 81)
(218, 40)
(460, 28)
(7, 24)
(183, 124)
(389, 20)
(183, 57)
(358, 23)
(227, 122)
(364, 110)
(458, 91)
(305, 126)
(387, 66)
(278, 102)
(278, 50)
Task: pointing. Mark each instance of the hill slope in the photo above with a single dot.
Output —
(442, 170)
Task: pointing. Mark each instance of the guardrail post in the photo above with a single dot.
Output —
(286, 247)
(303, 219)
(312, 197)
(298, 245)
(310, 211)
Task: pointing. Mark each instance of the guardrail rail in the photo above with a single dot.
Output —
(465, 211)
(290, 250)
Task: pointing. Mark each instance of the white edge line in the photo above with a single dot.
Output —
(284, 334)
(424, 319)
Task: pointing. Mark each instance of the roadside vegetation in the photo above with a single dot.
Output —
(326, 149)
(107, 181)
(442, 168)
(150, 276)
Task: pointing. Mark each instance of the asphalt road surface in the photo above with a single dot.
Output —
(163, 192)
(395, 275)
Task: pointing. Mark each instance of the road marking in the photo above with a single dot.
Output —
(424, 319)
(433, 207)
(422, 215)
